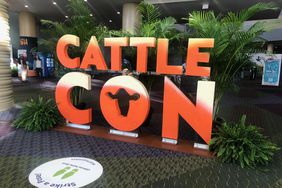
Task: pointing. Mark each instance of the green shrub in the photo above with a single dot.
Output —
(37, 115)
(14, 72)
(242, 144)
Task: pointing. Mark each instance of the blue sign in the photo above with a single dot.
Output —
(271, 72)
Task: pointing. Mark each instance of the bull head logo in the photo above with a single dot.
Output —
(123, 100)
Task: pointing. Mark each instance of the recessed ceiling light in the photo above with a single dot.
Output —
(205, 5)
(118, 12)
(26, 6)
(110, 21)
(54, 3)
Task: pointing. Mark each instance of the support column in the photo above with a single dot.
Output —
(27, 24)
(6, 98)
(270, 48)
(130, 17)
(28, 37)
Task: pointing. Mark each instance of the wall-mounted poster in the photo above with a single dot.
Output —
(21, 52)
(271, 68)
(30, 45)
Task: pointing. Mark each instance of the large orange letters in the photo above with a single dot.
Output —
(93, 56)
(162, 59)
(175, 103)
(199, 116)
(116, 55)
(132, 92)
(194, 57)
(63, 100)
(62, 51)
(142, 44)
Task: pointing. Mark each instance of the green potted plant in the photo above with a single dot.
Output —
(242, 144)
(37, 115)
(14, 72)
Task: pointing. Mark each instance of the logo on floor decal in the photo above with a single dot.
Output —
(66, 172)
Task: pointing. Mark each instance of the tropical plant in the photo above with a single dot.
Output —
(152, 25)
(234, 43)
(242, 144)
(37, 115)
(14, 72)
(80, 23)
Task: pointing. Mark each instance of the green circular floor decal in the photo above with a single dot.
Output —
(66, 172)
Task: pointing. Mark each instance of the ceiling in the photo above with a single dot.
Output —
(105, 10)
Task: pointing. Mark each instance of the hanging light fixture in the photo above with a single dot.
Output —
(6, 99)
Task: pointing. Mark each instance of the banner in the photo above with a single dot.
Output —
(271, 68)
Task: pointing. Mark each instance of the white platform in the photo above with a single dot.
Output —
(201, 146)
(77, 126)
(123, 133)
(169, 141)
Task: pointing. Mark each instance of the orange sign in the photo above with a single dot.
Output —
(124, 100)
(125, 92)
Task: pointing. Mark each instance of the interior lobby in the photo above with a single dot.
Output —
(131, 93)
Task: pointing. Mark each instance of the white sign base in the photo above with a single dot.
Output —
(169, 141)
(77, 126)
(201, 146)
(123, 133)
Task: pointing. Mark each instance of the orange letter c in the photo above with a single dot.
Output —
(63, 93)
(62, 51)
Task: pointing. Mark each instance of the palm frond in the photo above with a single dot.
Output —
(148, 12)
(233, 41)
(79, 23)
(246, 14)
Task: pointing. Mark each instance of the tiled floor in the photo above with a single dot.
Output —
(5, 129)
